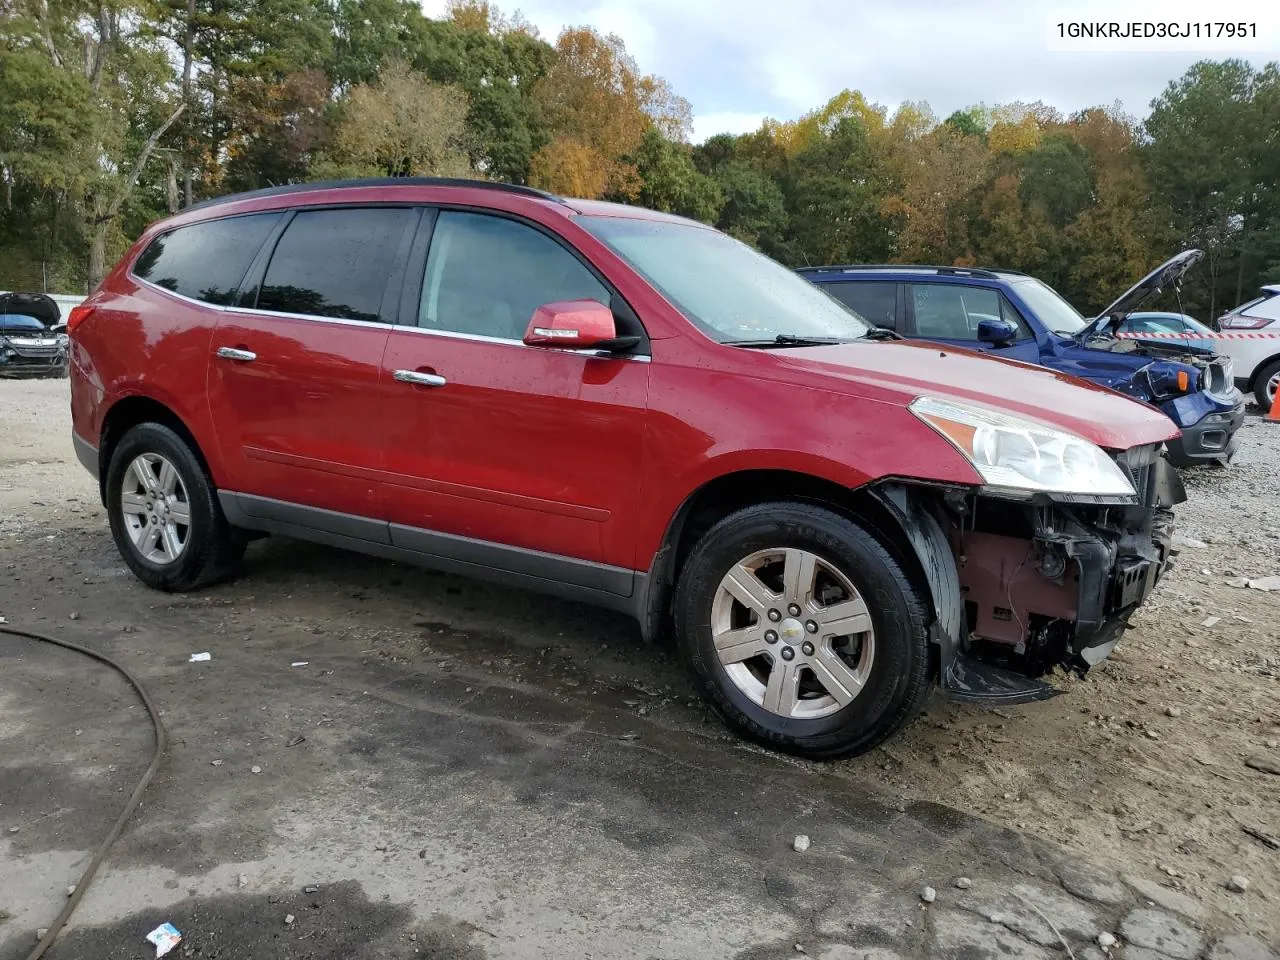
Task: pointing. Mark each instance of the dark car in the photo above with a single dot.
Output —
(33, 339)
(1012, 315)
(626, 408)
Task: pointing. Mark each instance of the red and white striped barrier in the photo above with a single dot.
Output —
(1228, 335)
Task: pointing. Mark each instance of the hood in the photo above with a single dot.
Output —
(908, 369)
(1168, 274)
(43, 308)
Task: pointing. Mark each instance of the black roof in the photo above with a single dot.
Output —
(979, 272)
(376, 182)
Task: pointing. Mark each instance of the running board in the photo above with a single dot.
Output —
(971, 681)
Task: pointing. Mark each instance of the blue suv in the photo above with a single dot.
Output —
(1013, 315)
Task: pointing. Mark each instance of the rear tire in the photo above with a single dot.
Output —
(827, 662)
(164, 513)
(1261, 394)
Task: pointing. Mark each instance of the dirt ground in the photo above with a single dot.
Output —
(461, 771)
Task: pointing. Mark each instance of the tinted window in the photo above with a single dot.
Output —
(953, 311)
(487, 275)
(334, 263)
(874, 302)
(205, 261)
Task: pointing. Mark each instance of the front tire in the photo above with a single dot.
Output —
(803, 631)
(164, 513)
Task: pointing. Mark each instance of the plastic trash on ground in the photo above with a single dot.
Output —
(200, 657)
(165, 937)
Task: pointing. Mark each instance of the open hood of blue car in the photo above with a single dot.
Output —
(1168, 274)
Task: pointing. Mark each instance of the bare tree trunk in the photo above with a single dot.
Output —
(188, 146)
(98, 249)
(171, 184)
(105, 211)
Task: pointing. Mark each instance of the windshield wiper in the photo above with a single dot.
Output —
(882, 333)
(787, 340)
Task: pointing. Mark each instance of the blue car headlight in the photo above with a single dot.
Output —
(1167, 379)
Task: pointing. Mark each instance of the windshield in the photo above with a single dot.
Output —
(20, 321)
(732, 293)
(1053, 311)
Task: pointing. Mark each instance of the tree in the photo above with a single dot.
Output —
(403, 125)
(834, 189)
(598, 106)
(754, 209)
(1211, 149)
(497, 64)
(670, 182)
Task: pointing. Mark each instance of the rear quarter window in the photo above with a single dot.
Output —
(876, 302)
(205, 261)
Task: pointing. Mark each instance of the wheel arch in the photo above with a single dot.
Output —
(128, 412)
(1259, 367)
(729, 492)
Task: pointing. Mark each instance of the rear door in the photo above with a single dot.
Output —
(294, 375)
(950, 313)
(524, 458)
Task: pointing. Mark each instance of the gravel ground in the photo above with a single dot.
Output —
(1142, 767)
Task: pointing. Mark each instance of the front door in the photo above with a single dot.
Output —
(950, 312)
(294, 380)
(503, 454)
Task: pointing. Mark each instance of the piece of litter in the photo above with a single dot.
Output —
(1211, 621)
(216, 763)
(629, 736)
(288, 919)
(255, 769)
(801, 843)
(165, 937)
(200, 657)
(300, 663)
(41, 934)
(310, 889)
(71, 890)
(296, 740)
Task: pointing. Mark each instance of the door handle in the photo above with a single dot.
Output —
(419, 378)
(231, 353)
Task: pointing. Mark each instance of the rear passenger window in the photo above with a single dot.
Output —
(335, 263)
(486, 276)
(205, 261)
(875, 302)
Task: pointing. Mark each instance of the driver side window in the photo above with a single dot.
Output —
(486, 275)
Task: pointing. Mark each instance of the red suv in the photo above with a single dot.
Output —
(624, 408)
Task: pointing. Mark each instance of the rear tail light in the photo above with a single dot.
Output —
(77, 316)
(1241, 322)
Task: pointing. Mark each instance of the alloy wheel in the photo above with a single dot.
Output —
(792, 633)
(156, 510)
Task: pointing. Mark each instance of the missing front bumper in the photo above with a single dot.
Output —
(1020, 589)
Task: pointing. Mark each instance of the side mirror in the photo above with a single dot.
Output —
(996, 331)
(575, 325)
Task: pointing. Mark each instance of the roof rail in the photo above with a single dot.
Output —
(375, 182)
(942, 271)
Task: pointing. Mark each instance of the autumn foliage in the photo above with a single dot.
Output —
(114, 112)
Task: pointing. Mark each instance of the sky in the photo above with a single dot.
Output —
(739, 61)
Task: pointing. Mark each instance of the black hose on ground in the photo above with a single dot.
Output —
(162, 742)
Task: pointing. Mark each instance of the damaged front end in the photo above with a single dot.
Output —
(1023, 585)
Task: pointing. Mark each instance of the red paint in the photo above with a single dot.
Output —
(545, 449)
(570, 323)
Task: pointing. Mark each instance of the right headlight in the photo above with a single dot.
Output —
(1021, 455)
